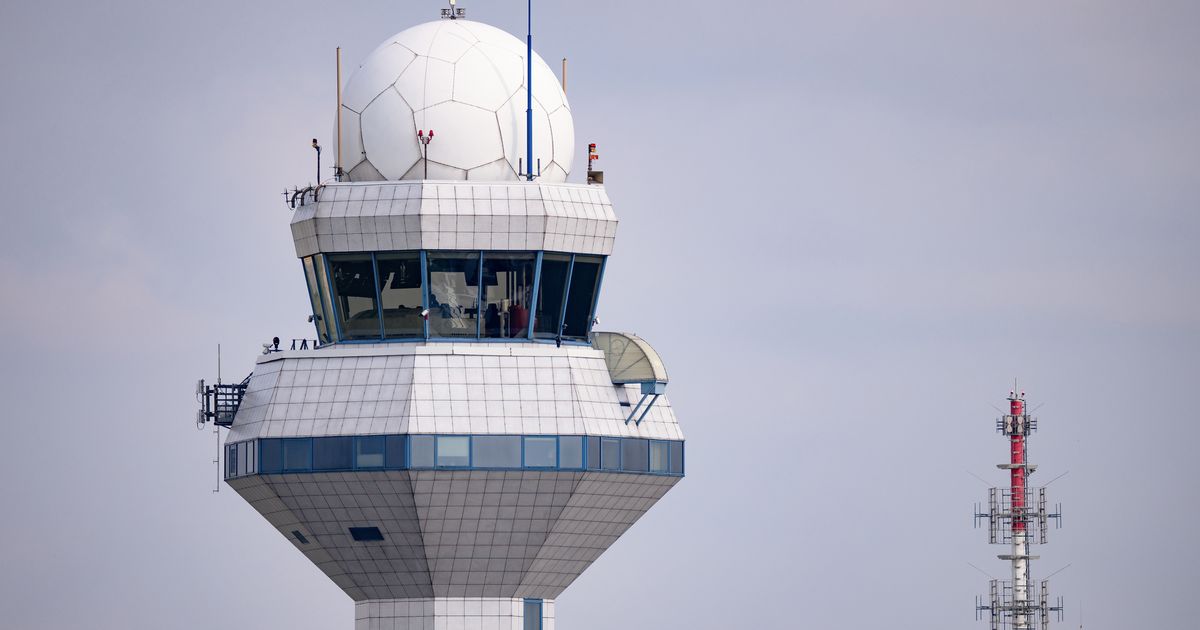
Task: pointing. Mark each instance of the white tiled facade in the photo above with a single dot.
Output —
(463, 388)
(411, 215)
(454, 533)
(447, 613)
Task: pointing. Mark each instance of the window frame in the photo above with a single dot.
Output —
(248, 455)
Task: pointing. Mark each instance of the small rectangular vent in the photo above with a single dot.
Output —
(300, 537)
(366, 534)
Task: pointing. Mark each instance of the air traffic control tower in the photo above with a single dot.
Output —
(458, 444)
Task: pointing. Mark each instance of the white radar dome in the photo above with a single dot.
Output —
(465, 81)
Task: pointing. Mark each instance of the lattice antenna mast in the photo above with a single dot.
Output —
(1017, 516)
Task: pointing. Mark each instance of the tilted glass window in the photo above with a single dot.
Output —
(453, 294)
(496, 451)
(333, 453)
(354, 295)
(421, 451)
(634, 456)
(552, 288)
(319, 266)
(453, 451)
(541, 452)
(507, 293)
(585, 279)
(368, 452)
(570, 451)
(400, 294)
(321, 319)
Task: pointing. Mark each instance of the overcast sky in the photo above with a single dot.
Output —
(846, 227)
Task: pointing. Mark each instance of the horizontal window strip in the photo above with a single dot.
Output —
(454, 452)
(453, 295)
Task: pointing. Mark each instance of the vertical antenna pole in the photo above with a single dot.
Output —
(337, 168)
(564, 75)
(529, 90)
(1017, 477)
(217, 459)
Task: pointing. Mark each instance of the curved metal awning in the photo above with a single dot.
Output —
(629, 358)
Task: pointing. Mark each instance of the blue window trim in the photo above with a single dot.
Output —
(541, 612)
(596, 297)
(562, 314)
(406, 464)
(479, 298)
(537, 283)
(378, 296)
(425, 294)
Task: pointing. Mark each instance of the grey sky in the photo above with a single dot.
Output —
(845, 226)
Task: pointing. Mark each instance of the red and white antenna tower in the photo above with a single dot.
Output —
(1017, 516)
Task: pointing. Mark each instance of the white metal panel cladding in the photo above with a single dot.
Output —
(442, 388)
(454, 533)
(390, 216)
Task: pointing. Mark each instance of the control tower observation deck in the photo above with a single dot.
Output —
(461, 444)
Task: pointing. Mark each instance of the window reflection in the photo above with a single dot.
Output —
(453, 294)
(585, 276)
(659, 457)
(551, 291)
(496, 451)
(453, 451)
(400, 294)
(371, 297)
(507, 292)
(541, 452)
(297, 454)
(368, 452)
(634, 455)
(354, 295)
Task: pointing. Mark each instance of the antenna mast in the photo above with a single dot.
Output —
(337, 171)
(1017, 516)
(529, 91)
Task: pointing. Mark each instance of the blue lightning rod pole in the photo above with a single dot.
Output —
(529, 92)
